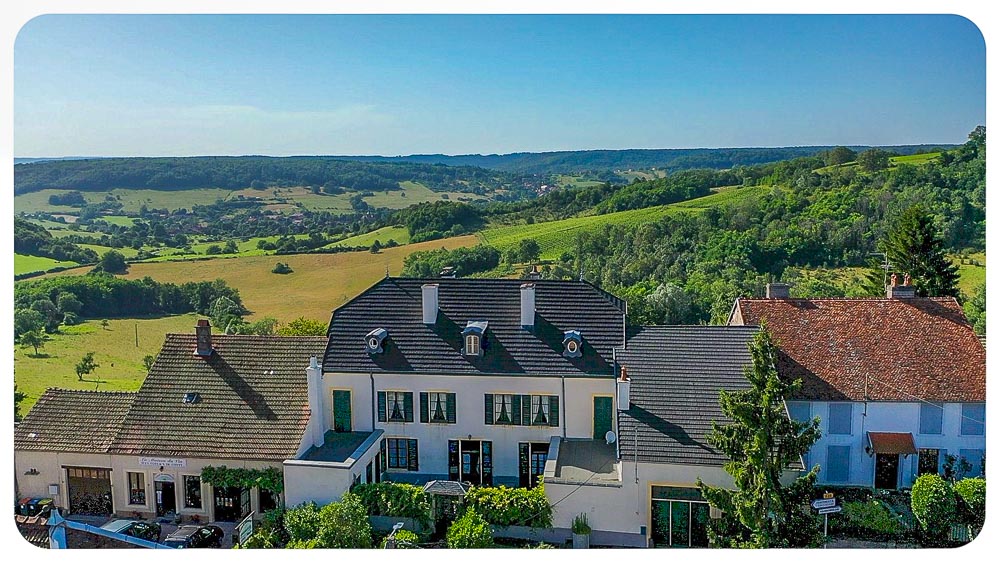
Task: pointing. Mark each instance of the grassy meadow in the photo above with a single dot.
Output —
(26, 264)
(399, 234)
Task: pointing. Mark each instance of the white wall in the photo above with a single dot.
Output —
(886, 417)
(575, 408)
(325, 482)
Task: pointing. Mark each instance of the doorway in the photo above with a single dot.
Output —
(232, 504)
(166, 499)
(89, 490)
(341, 411)
(886, 471)
(470, 461)
(602, 417)
(531, 459)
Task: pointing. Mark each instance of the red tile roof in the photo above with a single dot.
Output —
(892, 442)
(905, 349)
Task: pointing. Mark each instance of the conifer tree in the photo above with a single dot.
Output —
(762, 444)
(915, 247)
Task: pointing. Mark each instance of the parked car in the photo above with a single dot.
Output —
(135, 528)
(195, 536)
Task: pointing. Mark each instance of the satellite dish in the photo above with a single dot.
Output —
(610, 437)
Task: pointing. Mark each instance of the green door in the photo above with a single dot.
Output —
(341, 411)
(602, 417)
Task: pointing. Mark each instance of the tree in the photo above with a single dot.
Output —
(915, 247)
(34, 339)
(18, 397)
(528, 250)
(873, 160)
(762, 443)
(933, 503)
(68, 303)
(344, 524)
(376, 247)
(148, 362)
(281, 268)
(27, 320)
(303, 327)
(113, 262)
(975, 309)
(86, 366)
(225, 311)
(105, 324)
(470, 531)
(52, 315)
(839, 155)
(213, 249)
(231, 247)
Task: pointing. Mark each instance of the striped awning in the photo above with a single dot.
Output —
(892, 443)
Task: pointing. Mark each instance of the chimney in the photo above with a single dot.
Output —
(314, 386)
(430, 302)
(778, 290)
(203, 335)
(528, 305)
(893, 291)
(624, 391)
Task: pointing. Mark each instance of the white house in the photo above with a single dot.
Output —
(897, 382)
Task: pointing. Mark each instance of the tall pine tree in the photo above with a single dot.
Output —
(762, 444)
(915, 247)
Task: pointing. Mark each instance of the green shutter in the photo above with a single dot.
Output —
(450, 403)
(526, 410)
(489, 408)
(515, 414)
(407, 407)
(412, 463)
(524, 465)
(553, 410)
(341, 411)
(603, 408)
(381, 406)
(424, 417)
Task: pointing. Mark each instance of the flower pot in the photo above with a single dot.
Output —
(581, 541)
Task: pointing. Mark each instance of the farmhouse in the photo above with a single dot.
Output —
(899, 383)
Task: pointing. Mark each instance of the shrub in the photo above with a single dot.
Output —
(471, 531)
(933, 504)
(581, 525)
(394, 499)
(344, 524)
(505, 506)
(281, 268)
(405, 539)
(870, 519)
(971, 499)
(302, 522)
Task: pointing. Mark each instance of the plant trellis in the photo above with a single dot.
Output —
(269, 479)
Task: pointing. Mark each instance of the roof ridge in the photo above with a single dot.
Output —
(92, 391)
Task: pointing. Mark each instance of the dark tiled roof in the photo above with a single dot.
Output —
(337, 446)
(65, 420)
(446, 488)
(676, 374)
(253, 401)
(906, 349)
(395, 304)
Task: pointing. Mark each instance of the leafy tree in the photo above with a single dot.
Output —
(470, 531)
(148, 362)
(303, 327)
(281, 268)
(231, 247)
(105, 324)
(213, 249)
(528, 250)
(53, 316)
(112, 262)
(762, 443)
(971, 503)
(27, 320)
(405, 539)
(839, 155)
(18, 397)
(86, 366)
(915, 247)
(873, 160)
(376, 247)
(933, 503)
(263, 327)
(34, 339)
(344, 524)
(68, 303)
(225, 312)
(975, 309)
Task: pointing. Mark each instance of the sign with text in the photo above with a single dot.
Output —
(245, 529)
(162, 462)
(824, 503)
(829, 510)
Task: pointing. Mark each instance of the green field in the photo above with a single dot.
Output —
(567, 181)
(25, 264)
(132, 200)
(114, 348)
(119, 220)
(971, 276)
(556, 237)
(127, 252)
(383, 235)
(912, 159)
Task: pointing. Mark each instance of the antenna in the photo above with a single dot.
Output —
(885, 266)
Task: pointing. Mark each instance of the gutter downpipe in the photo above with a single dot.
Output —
(371, 376)
(563, 414)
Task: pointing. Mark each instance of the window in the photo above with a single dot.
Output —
(266, 500)
(930, 418)
(192, 491)
(471, 345)
(395, 406)
(531, 462)
(402, 453)
(840, 418)
(136, 488)
(975, 460)
(927, 462)
(799, 411)
(437, 408)
(539, 410)
(973, 419)
(501, 409)
(838, 464)
(522, 410)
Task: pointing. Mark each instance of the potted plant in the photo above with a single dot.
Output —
(581, 532)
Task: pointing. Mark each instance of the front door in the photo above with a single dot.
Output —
(531, 459)
(341, 411)
(886, 471)
(602, 417)
(166, 500)
(230, 503)
(471, 470)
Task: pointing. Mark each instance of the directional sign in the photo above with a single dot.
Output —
(829, 510)
(824, 503)
(827, 495)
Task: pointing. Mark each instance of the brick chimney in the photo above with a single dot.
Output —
(429, 292)
(905, 291)
(528, 305)
(203, 336)
(778, 291)
(624, 385)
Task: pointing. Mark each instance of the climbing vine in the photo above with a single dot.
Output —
(269, 479)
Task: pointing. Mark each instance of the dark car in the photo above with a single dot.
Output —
(135, 528)
(195, 536)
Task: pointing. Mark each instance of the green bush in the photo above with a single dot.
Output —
(395, 499)
(933, 504)
(344, 524)
(405, 539)
(505, 506)
(471, 531)
(971, 499)
(871, 518)
(302, 522)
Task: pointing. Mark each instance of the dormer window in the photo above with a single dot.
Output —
(374, 339)
(572, 344)
(473, 337)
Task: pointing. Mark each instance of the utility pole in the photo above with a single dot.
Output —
(136, 335)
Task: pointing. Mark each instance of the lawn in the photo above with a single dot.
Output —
(568, 181)
(114, 348)
(556, 237)
(25, 264)
(971, 275)
(383, 235)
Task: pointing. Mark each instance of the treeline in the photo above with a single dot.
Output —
(35, 240)
(103, 295)
(439, 219)
(465, 261)
(241, 172)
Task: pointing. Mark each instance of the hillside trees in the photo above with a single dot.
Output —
(873, 160)
(35, 240)
(914, 247)
(839, 155)
(429, 221)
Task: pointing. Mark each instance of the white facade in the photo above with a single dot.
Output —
(883, 417)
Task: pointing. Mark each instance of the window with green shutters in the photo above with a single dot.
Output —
(522, 410)
(395, 406)
(437, 408)
(402, 454)
(341, 410)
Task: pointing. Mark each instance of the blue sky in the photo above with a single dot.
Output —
(281, 85)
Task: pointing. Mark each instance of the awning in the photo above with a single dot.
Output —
(892, 443)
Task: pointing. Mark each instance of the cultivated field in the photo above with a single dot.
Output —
(912, 159)
(399, 234)
(556, 237)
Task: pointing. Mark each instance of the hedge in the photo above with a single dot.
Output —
(505, 506)
(395, 499)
